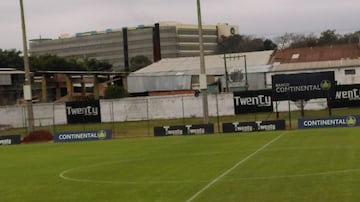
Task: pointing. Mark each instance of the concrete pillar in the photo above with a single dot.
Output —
(69, 86)
(83, 87)
(44, 95)
(96, 88)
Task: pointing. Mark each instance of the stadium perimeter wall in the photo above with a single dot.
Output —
(141, 108)
(121, 110)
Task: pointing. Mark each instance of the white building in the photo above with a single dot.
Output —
(182, 74)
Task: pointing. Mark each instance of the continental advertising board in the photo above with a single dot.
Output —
(184, 130)
(83, 136)
(330, 122)
(303, 86)
(236, 127)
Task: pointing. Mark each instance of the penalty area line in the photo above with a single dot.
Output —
(232, 168)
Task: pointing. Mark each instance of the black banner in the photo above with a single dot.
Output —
(10, 139)
(253, 101)
(346, 96)
(303, 86)
(184, 130)
(83, 112)
(253, 126)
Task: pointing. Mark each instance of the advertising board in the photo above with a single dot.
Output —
(253, 126)
(10, 139)
(346, 96)
(83, 112)
(303, 86)
(340, 121)
(253, 101)
(184, 130)
(83, 136)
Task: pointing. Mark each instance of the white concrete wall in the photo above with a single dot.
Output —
(313, 104)
(164, 107)
(13, 116)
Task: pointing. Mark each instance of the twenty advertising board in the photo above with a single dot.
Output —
(303, 86)
(253, 101)
(83, 136)
(341, 121)
(184, 130)
(253, 126)
(83, 112)
(346, 96)
(10, 139)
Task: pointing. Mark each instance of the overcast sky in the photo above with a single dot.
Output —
(51, 18)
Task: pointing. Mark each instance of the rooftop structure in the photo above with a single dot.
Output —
(183, 73)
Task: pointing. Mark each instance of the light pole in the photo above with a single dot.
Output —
(27, 83)
(202, 76)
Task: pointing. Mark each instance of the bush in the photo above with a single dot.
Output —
(112, 92)
(38, 136)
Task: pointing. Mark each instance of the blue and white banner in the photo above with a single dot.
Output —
(341, 121)
(83, 136)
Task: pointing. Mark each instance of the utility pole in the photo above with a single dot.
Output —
(27, 83)
(202, 76)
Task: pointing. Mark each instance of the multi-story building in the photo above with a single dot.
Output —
(118, 46)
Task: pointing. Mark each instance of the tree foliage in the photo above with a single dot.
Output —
(242, 43)
(113, 91)
(327, 37)
(95, 65)
(139, 62)
(55, 63)
(11, 58)
(47, 62)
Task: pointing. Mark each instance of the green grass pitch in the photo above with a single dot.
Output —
(299, 165)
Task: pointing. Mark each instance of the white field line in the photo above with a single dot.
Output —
(232, 168)
(334, 172)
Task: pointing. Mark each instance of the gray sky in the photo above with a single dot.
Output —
(51, 18)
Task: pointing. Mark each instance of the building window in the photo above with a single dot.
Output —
(350, 71)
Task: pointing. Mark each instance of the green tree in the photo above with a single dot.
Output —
(304, 41)
(95, 65)
(49, 62)
(113, 91)
(139, 62)
(242, 43)
(11, 58)
(328, 37)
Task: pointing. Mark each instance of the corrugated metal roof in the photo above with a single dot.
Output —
(214, 65)
(316, 65)
(10, 71)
